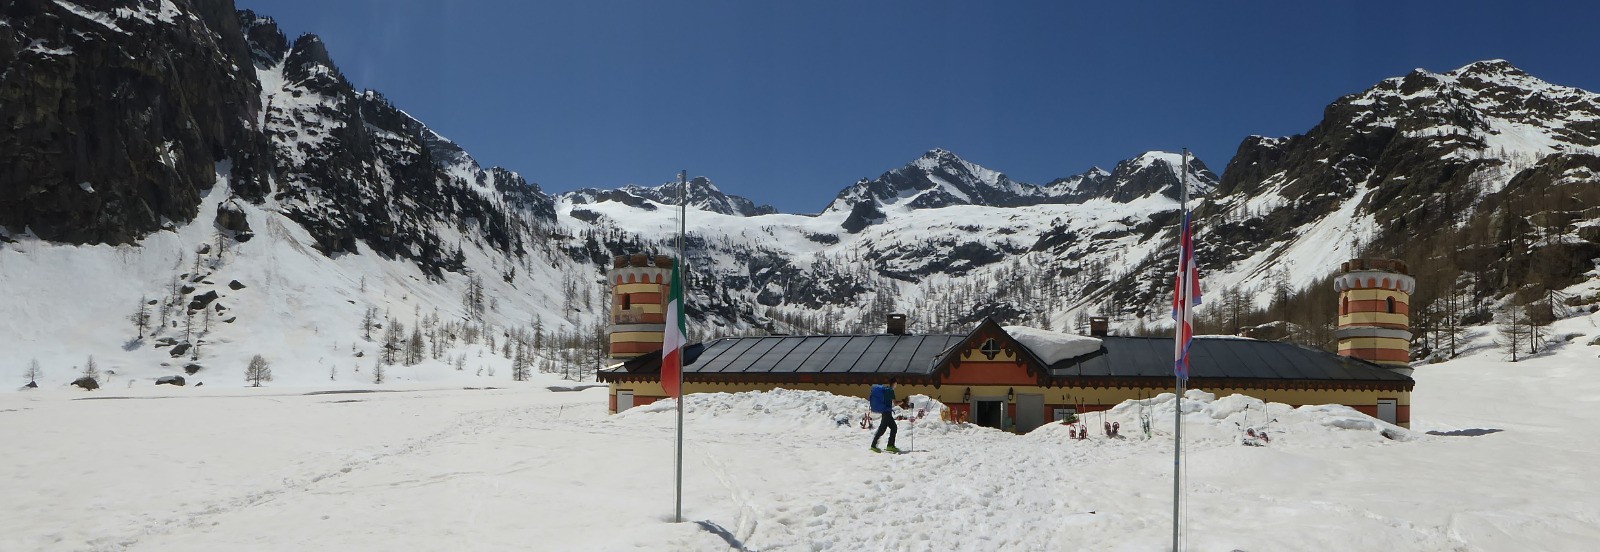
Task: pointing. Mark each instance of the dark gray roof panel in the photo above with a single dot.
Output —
(829, 350)
(834, 354)
(725, 355)
(805, 351)
(778, 359)
(849, 356)
(1220, 358)
(872, 358)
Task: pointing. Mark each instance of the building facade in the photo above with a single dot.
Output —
(991, 377)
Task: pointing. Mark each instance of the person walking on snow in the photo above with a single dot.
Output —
(882, 401)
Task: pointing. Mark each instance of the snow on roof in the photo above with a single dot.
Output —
(1052, 347)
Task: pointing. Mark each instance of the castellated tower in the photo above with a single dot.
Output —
(1375, 312)
(639, 288)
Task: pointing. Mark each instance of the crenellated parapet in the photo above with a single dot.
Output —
(1375, 311)
(639, 288)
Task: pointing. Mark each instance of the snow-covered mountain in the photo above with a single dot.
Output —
(942, 179)
(701, 194)
(939, 229)
(230, 153)
(1483, 171)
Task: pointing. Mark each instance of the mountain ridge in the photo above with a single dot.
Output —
(1480, 175)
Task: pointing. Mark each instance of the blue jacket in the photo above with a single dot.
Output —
(882, 398)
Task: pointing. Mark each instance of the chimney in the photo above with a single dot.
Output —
(897, 324)
(1099, 326)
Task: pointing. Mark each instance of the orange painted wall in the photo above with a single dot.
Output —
(637, 401)
(1402, 413)
(634, 347)
(973, 372)
(1379, 355)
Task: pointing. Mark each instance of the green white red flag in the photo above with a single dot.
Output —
(675, 338)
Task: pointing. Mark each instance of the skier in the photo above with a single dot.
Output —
(882, 400)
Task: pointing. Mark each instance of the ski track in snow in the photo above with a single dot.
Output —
(465, 424)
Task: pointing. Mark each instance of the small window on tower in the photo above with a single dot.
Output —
(1391, 304)
(1345, 308)
(627, 301)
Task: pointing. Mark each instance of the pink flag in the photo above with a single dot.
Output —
(1186, 295)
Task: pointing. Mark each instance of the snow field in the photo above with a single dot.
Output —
(1499, 458)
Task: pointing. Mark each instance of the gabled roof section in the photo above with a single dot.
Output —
(989, 329)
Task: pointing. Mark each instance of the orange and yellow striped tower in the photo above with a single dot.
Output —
(1375, 312)
(639, 286)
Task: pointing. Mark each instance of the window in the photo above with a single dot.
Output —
(1345, 308)
(990, 348)
(627, 301)
(1390, 300)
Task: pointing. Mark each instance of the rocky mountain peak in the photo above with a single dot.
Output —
(936, 179)
(267, 43)
(702, 194)
(310, 65)
(1152, 172)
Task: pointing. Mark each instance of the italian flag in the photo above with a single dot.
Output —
(674, 340)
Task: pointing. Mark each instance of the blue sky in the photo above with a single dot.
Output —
(789, 102)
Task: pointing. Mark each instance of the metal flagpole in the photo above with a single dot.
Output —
(1183, 306)
(683, 210)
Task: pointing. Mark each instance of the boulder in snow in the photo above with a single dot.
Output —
(230, 216)
(170, 380)
(191, 369)
(235, 285)
(179, 350)
(86, 382)
(200, 301)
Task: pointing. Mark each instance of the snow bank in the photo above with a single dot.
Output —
(1052, 347)
(789, 409)
(1208, 419)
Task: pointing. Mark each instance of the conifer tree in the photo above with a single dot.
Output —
(414, 347)
(368, 319)
(258, 371)
(33, 373)
(141, 317)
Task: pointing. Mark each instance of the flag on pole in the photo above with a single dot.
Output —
(674, 339)
(1186, 295)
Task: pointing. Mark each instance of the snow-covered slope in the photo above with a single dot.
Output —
(1421, 168)
(1498, 459)
(279, 297)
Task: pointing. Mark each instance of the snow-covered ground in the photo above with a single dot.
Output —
(1500, 457)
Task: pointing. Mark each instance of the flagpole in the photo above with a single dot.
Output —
(683, 224)
(1183, 305)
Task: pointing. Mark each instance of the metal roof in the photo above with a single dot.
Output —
(824, 354)
(1220, 357)
(1119, 356)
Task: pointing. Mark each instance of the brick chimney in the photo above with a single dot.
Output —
(897, 324)
(1099, 326)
